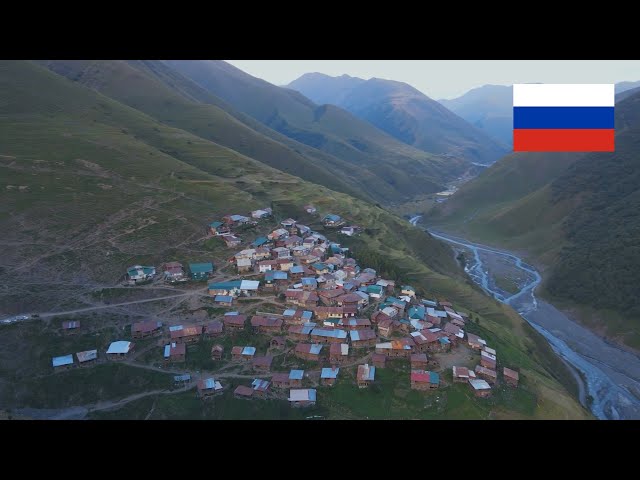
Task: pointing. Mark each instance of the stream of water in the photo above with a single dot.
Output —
(610, 375)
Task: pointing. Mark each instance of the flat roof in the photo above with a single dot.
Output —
(120, 346)
(62, 360)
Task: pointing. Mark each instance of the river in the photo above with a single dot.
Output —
(609, 374)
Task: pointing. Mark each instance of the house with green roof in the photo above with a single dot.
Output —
(217, 228)
(201, 271)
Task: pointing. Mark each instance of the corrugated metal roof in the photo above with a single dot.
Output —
(344, 349)
(302, 395)
(62, 360)
(174, 328)
(290, 312)
(87, 355)
(223, 298)
(329, 333)
(489, 350)
(329, 373)
(261, 385)
(315, 349)
(444, 340)
(296, 374)
(249, 351)
(167, 351)
(121, 346)
(249, 285)
(182, 378)
(209, 383)
(487, 355)
(480, 384)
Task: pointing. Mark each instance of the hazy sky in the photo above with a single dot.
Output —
(450, 78)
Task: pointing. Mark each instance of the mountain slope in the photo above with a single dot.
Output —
(625, 86)
(575, 213)
(154, 88)
(90, 186)
(405, 113)
(323, 89)
(490, 108)
(402, 171)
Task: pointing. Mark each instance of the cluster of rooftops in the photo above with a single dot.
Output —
(327, 294)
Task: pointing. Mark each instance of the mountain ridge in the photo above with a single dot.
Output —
(405, 113)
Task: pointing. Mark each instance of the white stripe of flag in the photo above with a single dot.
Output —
(564, 95)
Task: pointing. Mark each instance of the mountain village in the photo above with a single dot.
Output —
(339, 321)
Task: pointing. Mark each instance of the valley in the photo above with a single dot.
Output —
(609, 375)
(183, 240)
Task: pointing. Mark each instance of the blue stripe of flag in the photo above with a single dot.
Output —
(563, 117)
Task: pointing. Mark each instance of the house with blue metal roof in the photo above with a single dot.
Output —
(260, 386)
(309, 283)
(207, 387)
(248, 351)
(328, 336)
(296, 270)
(328, 376)
(224, 300)
(258, 242)
(320, 268)
(63, 362)
(332, 220)
(417, 312)
(119, 349)
(295, 378)
(201, 271)
(186, 378)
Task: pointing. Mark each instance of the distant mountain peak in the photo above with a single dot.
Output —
(404, 112)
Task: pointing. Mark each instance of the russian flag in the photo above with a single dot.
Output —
(563, 117)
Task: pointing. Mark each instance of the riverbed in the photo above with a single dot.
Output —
(609, 375)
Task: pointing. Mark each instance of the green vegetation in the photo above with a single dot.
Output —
(83, 386)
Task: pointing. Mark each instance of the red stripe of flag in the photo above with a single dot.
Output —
(563, 140)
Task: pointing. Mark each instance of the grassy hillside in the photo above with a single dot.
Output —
(90, 186)
(404, 113)
(576, 214)
(503, 202)
(327, 128)
(161, 92)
